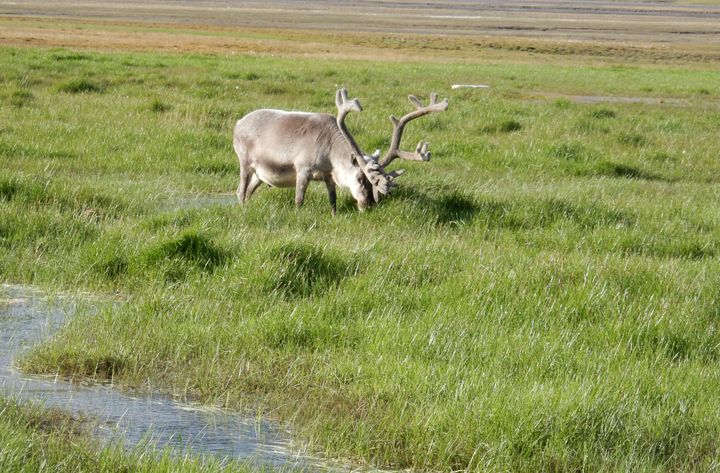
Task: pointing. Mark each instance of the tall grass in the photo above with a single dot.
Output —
(542, 295)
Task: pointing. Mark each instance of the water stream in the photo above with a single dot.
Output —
(27, 316)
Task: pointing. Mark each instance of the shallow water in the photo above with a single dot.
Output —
(26, 316)
(204, 200)
(599, 99)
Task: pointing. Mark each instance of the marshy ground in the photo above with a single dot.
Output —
(542, 295)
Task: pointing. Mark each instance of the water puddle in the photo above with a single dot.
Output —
(26, 316)
(599, 99)
(203, 201)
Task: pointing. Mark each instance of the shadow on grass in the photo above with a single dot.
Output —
(448, 209)
(458, 209)
(620, 170)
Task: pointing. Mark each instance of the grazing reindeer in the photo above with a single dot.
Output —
(286, 149)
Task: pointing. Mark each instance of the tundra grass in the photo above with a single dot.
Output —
(34, 439)
(541, 296)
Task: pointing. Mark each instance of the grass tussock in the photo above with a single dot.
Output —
(602, 113)
(568, 152)
(178, 255)
(81, 86)
(19, 98)
(631, 139)
(158, 106)
(610, 169)
(301, 270)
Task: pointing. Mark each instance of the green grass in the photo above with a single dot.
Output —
(36, 439)
(542, 295)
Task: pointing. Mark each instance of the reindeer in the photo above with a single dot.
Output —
(286, 149)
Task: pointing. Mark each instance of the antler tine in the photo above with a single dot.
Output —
(421, 151)
(345, 105)
(415, 101)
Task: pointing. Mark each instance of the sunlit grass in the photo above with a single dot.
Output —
(542, 295)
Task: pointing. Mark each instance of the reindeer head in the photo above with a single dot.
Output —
(378, 181)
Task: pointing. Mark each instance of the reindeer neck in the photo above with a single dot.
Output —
(341, 150)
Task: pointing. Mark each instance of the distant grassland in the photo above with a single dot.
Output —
(690, 46)
(542, 295)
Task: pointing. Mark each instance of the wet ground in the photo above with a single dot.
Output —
(27, 315)
(202, 201)
(599, 99)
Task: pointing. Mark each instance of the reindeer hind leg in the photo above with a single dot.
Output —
(245, 172)
(303, 179)
(245, 177)
(252, 186)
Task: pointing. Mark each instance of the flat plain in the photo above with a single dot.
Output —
(540, 296)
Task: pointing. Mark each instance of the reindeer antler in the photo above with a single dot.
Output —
(421, 151)
(381, 182)
(345, 105)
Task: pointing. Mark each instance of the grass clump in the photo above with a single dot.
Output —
(504, 126)
(631, 139)
(19, 98)
(158, 106)
(71, 56)
(22, 190)
(107, 258)
(81, 86)
(603, 113)
(509, 126)
(568, 152)
(187, 251)
(613, 169)
(302, 270)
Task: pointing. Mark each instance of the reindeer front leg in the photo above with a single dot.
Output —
(301, 183)
(332, 195)
(245, 175)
